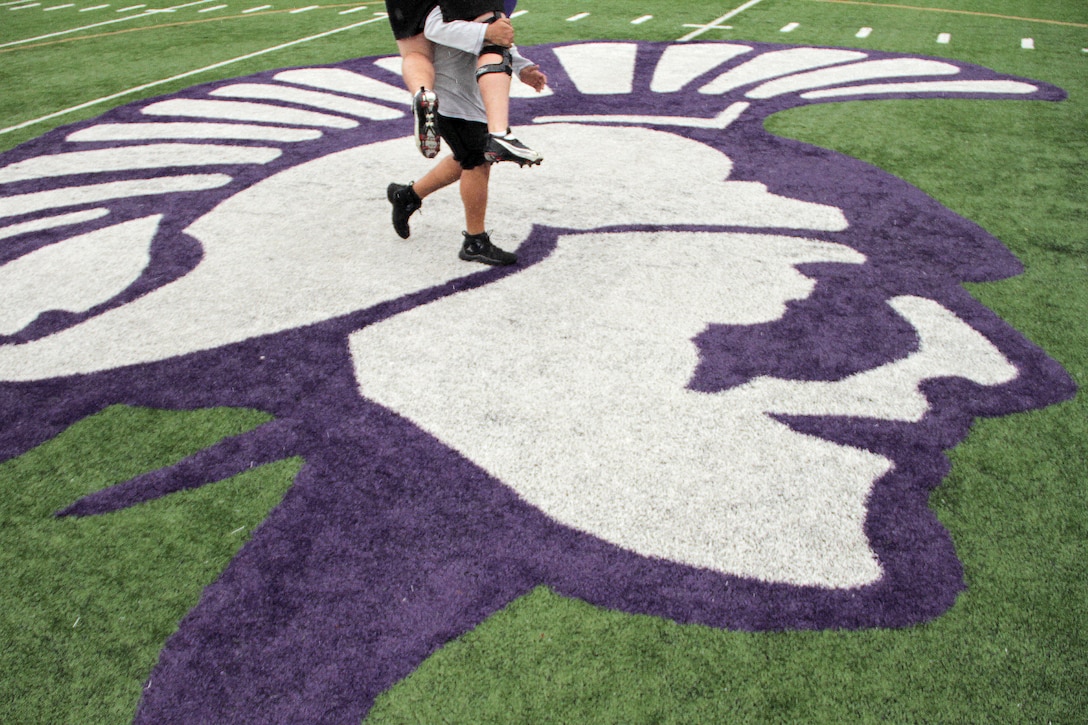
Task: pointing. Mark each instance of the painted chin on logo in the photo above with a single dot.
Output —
(719, 385)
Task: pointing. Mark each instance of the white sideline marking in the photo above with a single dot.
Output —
(789, 28)
(253, 10)
(58, 7)
(213, 7)
(179, 76)
(352, 10)
(73, 30)
(93, 7)
(863, 33)
(24, 7)
(1027, 43)
(579, 16)
(296, 11)
(641, 20)
(519, 13)
(700, 29)
(104, 22)
(944, 38)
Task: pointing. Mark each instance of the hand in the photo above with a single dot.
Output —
(534, 78)
(500, 32)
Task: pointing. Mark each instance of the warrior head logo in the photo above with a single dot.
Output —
(717, 388)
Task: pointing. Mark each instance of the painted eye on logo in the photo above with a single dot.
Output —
(717, 389)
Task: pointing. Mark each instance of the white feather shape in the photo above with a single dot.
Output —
(76, 274)
(130, 158)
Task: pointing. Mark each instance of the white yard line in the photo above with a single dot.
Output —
(187, 74)
(700, 29)
(104, 22)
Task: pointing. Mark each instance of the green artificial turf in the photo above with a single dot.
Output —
(88, 602)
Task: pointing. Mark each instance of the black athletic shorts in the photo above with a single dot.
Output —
(407, 17)
(466, 139)
(469, 9)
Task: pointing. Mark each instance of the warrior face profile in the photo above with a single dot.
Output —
(728, 359)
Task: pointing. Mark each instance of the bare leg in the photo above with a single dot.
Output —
(417, 56)
(494, 89)
(474, 197)
(444, 173)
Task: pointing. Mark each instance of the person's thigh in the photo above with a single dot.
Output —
(407, 17)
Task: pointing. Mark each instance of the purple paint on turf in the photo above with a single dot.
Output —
(389, 544)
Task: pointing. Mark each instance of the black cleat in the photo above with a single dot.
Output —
(405, 202)
(425, 111)
(508, 148)
(478, 248)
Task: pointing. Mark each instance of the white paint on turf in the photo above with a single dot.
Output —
(927, 87)
(60, 220)
(681, 64)
(586, 413)
(198, 130)
(778, 63)
(125, 158)
(344, 81)
(256, 278)
(599, 68)
(95, 193)
(314, 99)
(867, 70)
(243, 111)
(75, 274)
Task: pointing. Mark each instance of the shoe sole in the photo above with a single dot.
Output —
(496, 158)
(427, 139)
(486, 260)
(511, 154)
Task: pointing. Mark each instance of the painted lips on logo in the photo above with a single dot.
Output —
(717, 389)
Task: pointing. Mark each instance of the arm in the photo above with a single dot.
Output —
(467, 35)
(528, 71)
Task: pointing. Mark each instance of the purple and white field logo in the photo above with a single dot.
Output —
(717, 388)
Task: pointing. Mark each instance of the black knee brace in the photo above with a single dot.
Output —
(506, 66)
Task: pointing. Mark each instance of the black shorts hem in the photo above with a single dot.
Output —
(467, 140)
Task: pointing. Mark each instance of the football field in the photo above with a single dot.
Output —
(779, 418)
